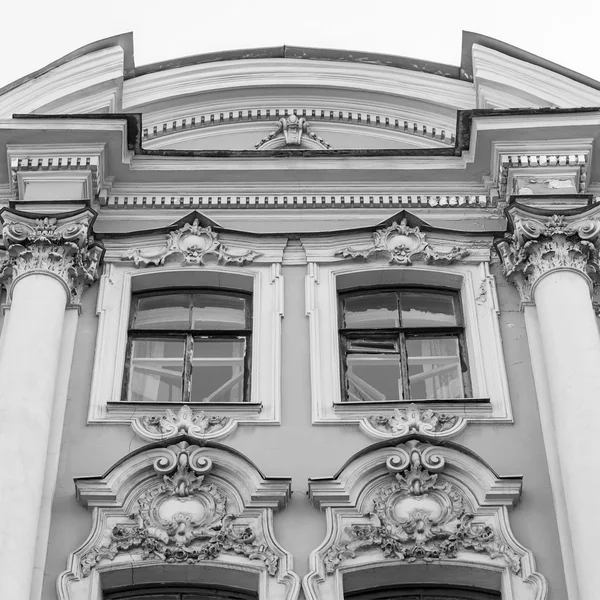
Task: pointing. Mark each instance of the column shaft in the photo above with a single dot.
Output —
(28, 371)
(571, 344)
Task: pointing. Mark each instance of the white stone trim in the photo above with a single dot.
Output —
(114, 300)
(480, 310)
(242, 488)
(348, 499)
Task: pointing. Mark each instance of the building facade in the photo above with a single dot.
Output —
(292, 323)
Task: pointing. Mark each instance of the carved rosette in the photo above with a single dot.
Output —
(196, 425)
(182, 518)
(540, 244)
(403, 245)
(62, 246)
(418, 517)
(413, 420)
(194, 244)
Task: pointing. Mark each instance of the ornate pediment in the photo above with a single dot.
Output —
(418, 503)
(403, 244)
(181, 504)
(194, 244)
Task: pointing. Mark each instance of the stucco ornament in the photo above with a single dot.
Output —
(196, 425)
(183, 519)
(292, 128)
(540, 244)
(418, 517)
(194, 244)
(62, 246)
(403, 245)
(413, 420)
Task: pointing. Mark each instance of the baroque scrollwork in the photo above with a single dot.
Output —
(419, 517)
(539, 245)
(413, 420)
(292, 128)
(182, 519)
(403, 244)
(62, 246)
(196, 425)
(194, 244)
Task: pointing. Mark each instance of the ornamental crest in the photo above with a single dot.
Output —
(413, 420)
(194, 244)
(418, 517)
(182, 519)
(403, 244)
(292, 128)
(185, 421)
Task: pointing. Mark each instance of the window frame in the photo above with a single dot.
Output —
(156, 591)
(425, 592)
(456, 332)
(188, 336)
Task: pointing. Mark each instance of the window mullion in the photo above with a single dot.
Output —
(404, 365)
(187, 367)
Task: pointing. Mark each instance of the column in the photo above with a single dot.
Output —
(552, 259)
(47, 263)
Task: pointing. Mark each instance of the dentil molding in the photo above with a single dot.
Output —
(541, 242)
(62, 246)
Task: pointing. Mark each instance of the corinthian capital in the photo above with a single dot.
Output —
(59, 245)
(542, 241)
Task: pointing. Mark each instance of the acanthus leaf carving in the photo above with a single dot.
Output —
(419, 517)
(292, 128)
(196, 425)
(183, 518)
(413, 420)
(403, 245)
(62, 246)
(194, 244)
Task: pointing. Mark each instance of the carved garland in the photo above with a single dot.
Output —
(403, 244)
(418, 518)
(183, 520)
(194, 244)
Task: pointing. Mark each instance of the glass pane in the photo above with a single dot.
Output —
(434, 369)
(371, 311)
(218, 370)
(373, 376)
(422, 309)
(156, 370)
(218, 311)
(373, 345)
(165, 311)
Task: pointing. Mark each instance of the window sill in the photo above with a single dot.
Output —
(462, 406)
(152, 409)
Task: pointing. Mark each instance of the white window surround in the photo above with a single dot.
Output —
(117, 284)
(479, 305)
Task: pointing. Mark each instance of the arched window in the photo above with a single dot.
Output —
(425, 592)
(189, 346)
(402, 343)
(180, 593)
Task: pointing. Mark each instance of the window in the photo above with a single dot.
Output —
(189, 346)
(402, 343)
(427, 593)
(178, 593)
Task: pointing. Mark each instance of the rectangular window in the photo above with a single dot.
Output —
(402, 344)
(189, 346)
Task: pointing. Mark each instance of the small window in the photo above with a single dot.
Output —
(427, 593)
(180, 593)
(402, 344)
(189, 346)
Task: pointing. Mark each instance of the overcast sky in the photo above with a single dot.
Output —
(37, 32)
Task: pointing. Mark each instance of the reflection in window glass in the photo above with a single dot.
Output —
(218, 311)
(372, 311)
(434, 368)
(427, 310)
(156, 373)
(164, 311)
(217, 370)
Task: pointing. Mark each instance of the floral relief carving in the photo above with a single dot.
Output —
(292, 128)
(62, 246)
(414, 420)
(196, 425)
(184, 518)
(419, 517)
(403, 245)
(538, 246)
(194, 244)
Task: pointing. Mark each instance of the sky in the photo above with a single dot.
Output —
(37, 32)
